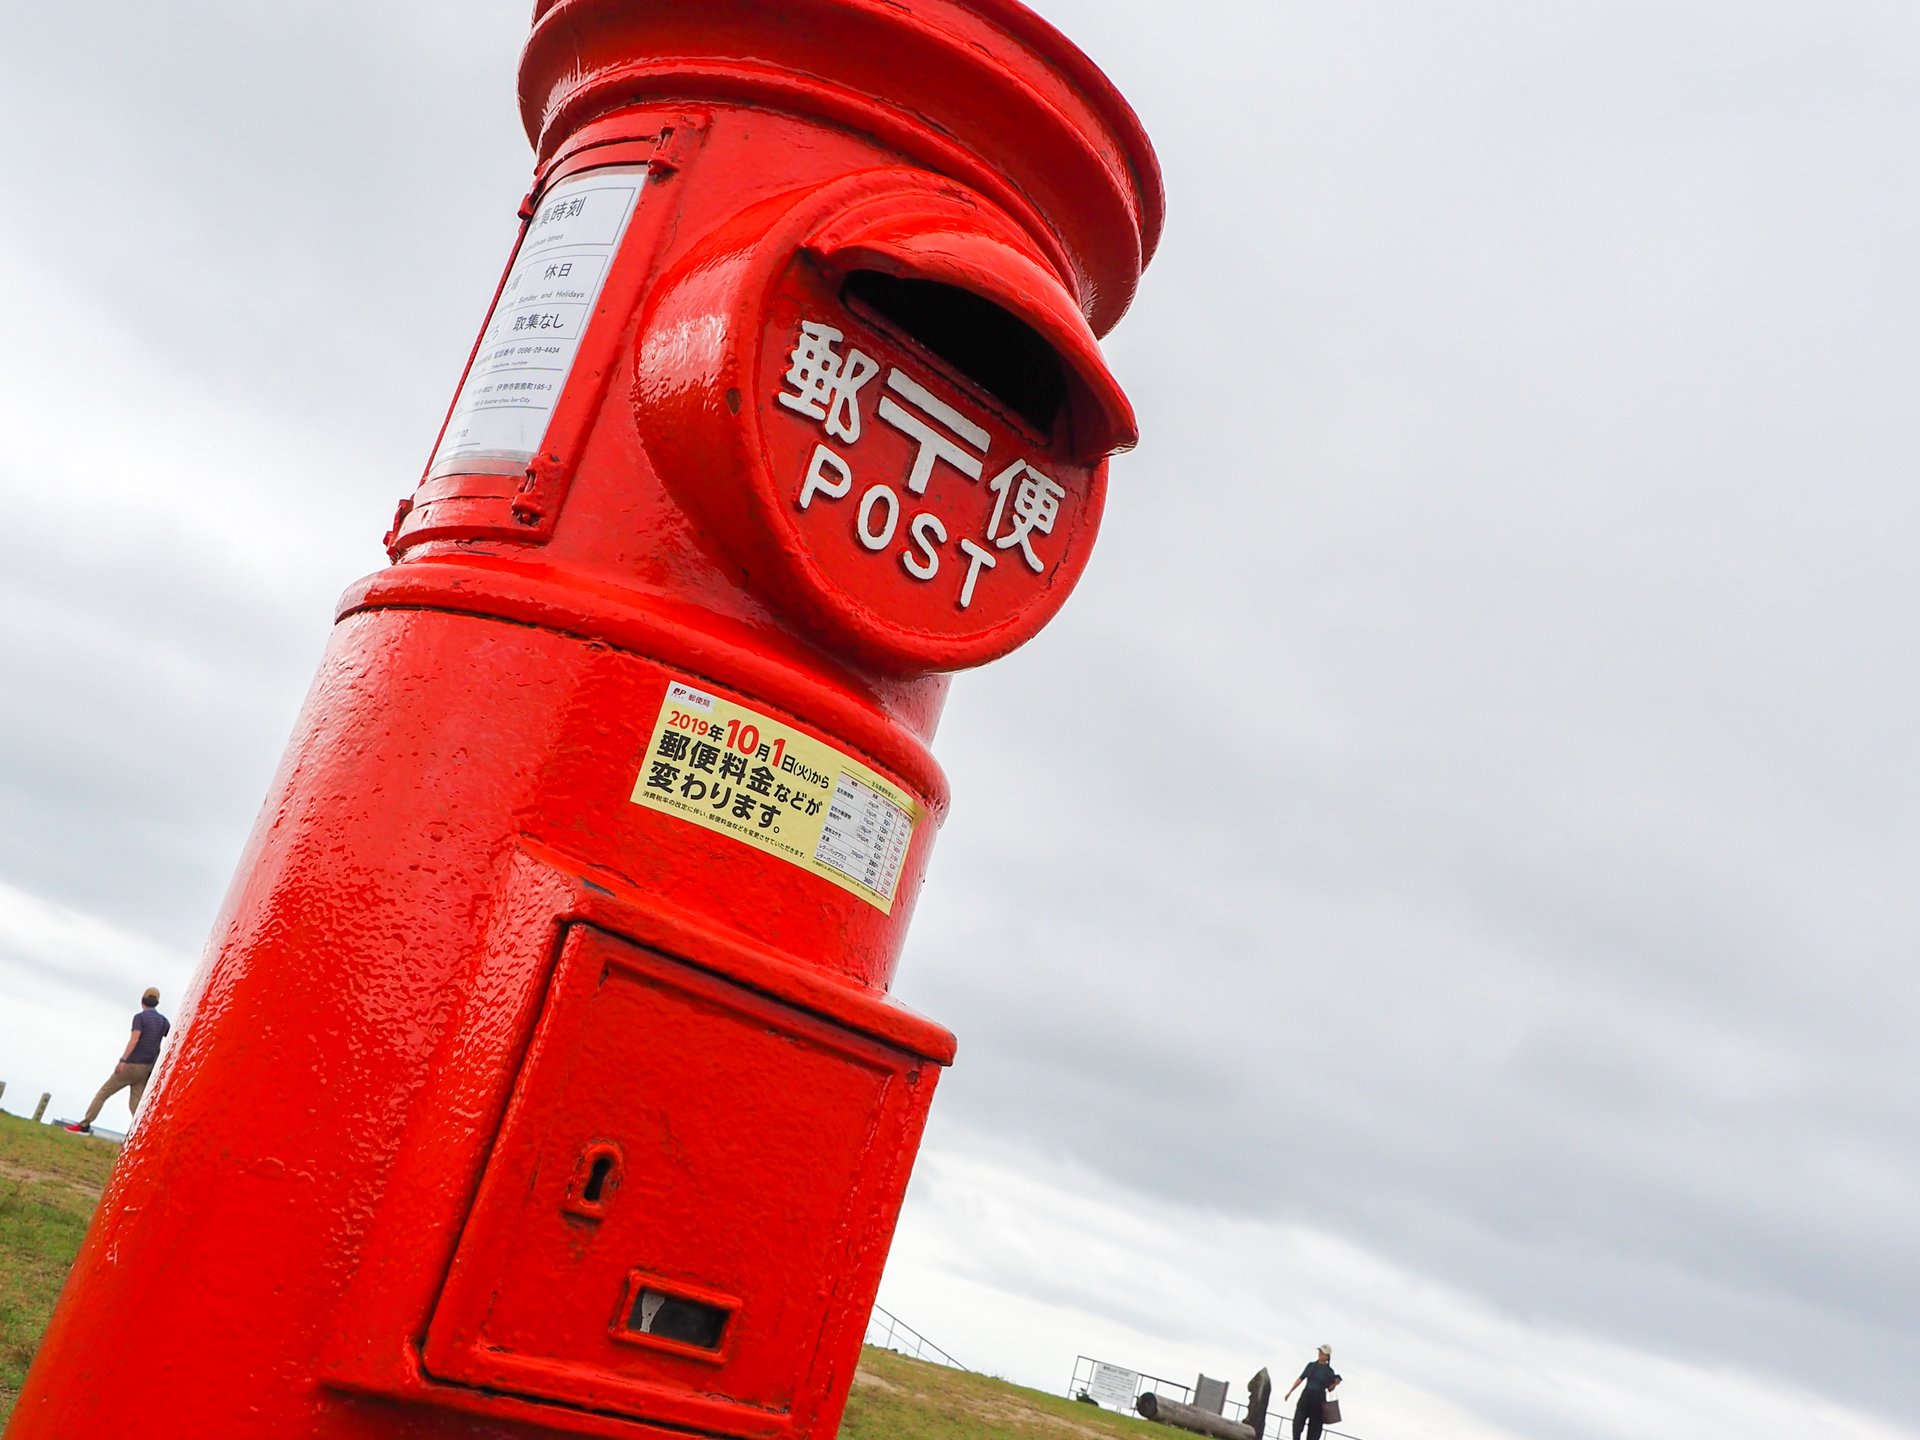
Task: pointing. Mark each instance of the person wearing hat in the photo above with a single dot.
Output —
(150, 1027)
(1319, 1378)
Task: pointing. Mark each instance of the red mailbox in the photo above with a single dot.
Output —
(541, 1076)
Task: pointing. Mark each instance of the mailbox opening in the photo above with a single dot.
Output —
(992, 347)
(676, 1318)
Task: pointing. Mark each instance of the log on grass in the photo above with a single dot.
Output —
(1191, 1417)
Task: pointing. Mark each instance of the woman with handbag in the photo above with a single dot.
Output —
(1319, 1378)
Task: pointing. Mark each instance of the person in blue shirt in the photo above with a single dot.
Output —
(150, 1027)
(1319, 1378)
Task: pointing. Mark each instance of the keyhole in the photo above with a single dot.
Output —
(597, 1179)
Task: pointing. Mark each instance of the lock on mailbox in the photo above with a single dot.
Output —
(541, 1077)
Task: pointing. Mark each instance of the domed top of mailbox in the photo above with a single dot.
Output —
(982, 90)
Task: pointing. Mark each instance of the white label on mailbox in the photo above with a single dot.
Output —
(534, 333)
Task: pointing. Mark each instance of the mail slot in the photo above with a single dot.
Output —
(910, 404)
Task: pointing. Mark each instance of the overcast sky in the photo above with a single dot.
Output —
(1460, 904)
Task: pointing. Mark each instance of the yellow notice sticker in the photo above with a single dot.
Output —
(748, 775)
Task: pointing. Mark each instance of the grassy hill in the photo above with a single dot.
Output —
(895, 1398)
(50, 1182)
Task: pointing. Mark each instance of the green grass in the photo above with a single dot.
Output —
(895, 1398)
(50, 1182)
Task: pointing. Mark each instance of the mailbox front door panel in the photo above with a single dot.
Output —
(630, 1248)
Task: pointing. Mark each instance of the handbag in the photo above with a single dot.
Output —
(1330, 1411)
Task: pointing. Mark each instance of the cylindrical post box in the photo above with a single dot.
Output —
(541, 1076)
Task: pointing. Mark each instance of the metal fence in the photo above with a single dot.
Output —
(889, 1332)
(1279, 1413)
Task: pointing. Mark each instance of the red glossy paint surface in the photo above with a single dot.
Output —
(505, 1105)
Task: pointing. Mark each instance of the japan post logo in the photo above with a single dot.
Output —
(829, 386)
